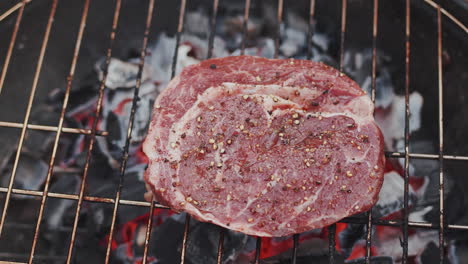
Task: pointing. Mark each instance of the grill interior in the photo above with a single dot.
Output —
(35, 76)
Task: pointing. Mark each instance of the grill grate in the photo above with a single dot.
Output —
(441, 226)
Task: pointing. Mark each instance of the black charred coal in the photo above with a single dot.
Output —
(373, 260)
(349, 237)
(202, 242)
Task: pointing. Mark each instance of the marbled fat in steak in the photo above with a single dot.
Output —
(265, 147)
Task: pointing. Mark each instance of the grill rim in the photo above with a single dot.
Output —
(441, 226)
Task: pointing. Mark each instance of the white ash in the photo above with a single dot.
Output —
(200, 46)
(419, 216)
(197, 23)
(57, 209)
(293, 41)
(123, 100)
(392, 120)
(296, 21)
(265, 48)
(358, 64)
(391, 195)
(30, 173)
(321, 41)
(417, 242)
(121, 74)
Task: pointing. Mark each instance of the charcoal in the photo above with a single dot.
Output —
(373, 260)
(349, 237)
(165, 244)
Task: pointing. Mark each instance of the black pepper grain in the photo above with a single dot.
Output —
(213, 66)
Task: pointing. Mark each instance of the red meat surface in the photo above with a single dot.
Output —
(265, 147)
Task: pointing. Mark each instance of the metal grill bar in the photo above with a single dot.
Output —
(149, 226)
(331, 243)
(209, 55)
(244, 25)
(258, 249)
(397, 223)
(156, 205)
(11, 262)
(373, 87)
(44, 258)
(277, 41)
(53, 128)
(407, 134)
(22, 226)
(343, 32)
(75, 197)
(447, 14)
(28, 113)
(214, 14)
(184, 239)
(310, 29)
(374, 48)
(180, 29)
(76, 51)
(13, 9)
(295, 245)
(13, 38)
(425, 156)
(441, 137)
(123, 164)
(94, 199)
(278, 27)
(219, 259)
(212, 28)
(309, 56)
(332, 228)
(93, 130)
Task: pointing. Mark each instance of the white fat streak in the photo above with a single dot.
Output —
(349, 159)
(273, 89)
(179, 128)
(191, 114)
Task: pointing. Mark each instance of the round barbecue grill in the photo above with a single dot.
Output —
(48, 49)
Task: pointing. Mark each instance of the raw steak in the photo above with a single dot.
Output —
(265, 147)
